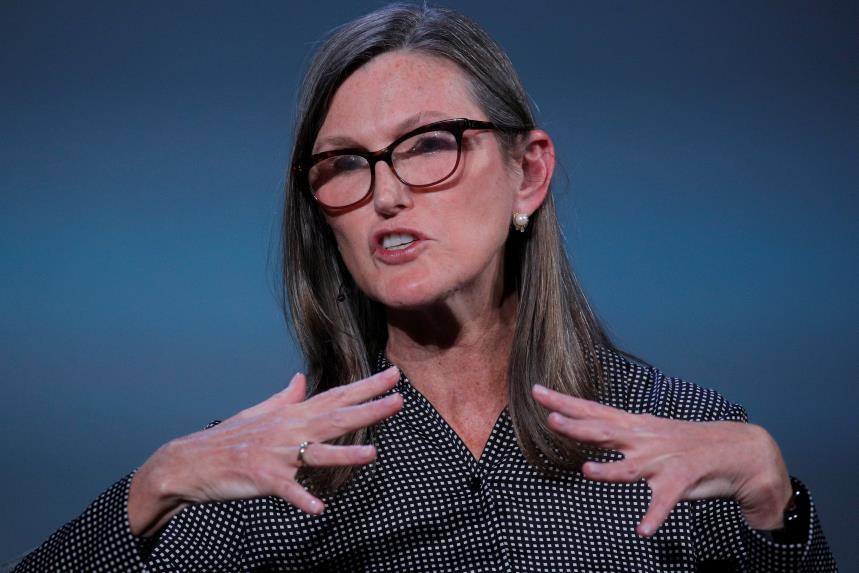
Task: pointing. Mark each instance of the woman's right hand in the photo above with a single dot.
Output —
(255, 452)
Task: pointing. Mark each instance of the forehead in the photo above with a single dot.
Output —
(371, 106)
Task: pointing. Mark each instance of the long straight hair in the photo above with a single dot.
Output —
(341, 331)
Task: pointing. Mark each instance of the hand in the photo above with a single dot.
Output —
(680, 460)
(255, 452)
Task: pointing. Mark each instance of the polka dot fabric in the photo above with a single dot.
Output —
(427, 505)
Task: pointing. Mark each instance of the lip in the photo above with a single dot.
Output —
(397, 256)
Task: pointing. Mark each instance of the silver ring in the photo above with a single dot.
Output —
(302, 448)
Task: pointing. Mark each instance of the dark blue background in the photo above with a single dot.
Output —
(710, 152)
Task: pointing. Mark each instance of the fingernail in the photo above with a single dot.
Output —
(367, 450)
(316, 507)
(540, 389)
(645, 530)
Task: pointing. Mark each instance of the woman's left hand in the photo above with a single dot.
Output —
(680, 460)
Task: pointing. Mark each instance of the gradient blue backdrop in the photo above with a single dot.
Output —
(710, 207)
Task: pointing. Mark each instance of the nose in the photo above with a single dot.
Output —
(390, 195)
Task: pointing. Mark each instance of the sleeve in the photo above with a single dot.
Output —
(202, 537)
(725, 542)
(723, 536)
(723, 539)
(100, 539)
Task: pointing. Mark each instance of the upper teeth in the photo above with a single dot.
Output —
(395, 241)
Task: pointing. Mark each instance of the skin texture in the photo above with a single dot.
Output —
(255, 452)
(450, 327)
(461, 259)
(447, 313)
(680, 460)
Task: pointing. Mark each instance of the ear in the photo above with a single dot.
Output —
(537, 162)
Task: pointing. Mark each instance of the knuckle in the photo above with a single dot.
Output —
(587, 408)
(630, 470)
(338, 419)
(606, 434)
(638, 424)
(337, 394)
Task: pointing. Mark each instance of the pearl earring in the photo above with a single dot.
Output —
(520, 221)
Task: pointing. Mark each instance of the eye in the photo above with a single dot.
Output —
(335, 169)
(427, 143)
(342, 164)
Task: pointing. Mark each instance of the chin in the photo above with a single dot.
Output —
(407, 300)
(411, 295)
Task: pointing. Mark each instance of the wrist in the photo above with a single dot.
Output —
(152, 496)
(797, 515)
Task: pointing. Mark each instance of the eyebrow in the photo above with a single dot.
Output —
(411, 122)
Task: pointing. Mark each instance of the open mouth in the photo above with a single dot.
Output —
(396, 241)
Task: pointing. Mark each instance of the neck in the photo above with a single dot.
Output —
(456, 355)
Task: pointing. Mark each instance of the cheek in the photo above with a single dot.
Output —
(488, 206)
(347, 237)
(480, 218)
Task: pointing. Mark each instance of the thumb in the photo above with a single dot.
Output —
(296, 390)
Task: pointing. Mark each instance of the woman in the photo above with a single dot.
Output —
(419, 231)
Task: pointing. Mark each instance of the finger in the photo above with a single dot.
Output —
(349, 418)
(573, 407)
(623, 471)
(294, 393)
(328, 455)
(596, 433)
(661, 504)
(359, 391)
(295, 390)
(293, 493)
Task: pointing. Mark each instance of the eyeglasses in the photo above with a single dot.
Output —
(423, 157)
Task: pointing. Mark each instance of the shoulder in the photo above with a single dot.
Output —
(643, 389)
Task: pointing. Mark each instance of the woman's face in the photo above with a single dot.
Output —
(459, 226)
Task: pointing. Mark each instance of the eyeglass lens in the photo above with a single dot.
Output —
(423, 159)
